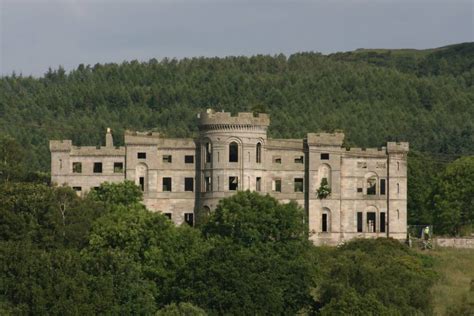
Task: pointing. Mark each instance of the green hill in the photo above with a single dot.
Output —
(426, 98)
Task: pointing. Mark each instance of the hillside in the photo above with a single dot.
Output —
(374, 96)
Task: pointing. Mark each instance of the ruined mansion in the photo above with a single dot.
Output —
(366, 189)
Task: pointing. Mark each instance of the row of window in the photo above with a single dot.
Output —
(77, 167)
(276, 184)
(188, 159)
(370, 225)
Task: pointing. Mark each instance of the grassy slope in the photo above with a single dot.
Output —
(456, 270)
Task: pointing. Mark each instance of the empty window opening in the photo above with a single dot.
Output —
(208, 184)
(60, 164)
(324, 223)
(359, 190)
(166, 184)
(276, 185)
(188, 159)
(77, 167)
(382, 222)
(324, 156)
(398, 188)
(141, 155)
(97, 167)
(189, 219)
(359, 222)
(77, 189)
(142, 183)
(277, 159)
(233, 152)
(398, 165)
(371, 222)
(118, 167)
(258, 184)
(167, 158)
(382, 186)
(298, 184)
(371, 186)
(233, 183)
(362, 165)
(189, 184)
(259, 153)
(208, 149)
(299, 159)
(169, 215)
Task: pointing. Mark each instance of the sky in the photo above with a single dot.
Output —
(38, 34)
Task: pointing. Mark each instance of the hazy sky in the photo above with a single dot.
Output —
(37, 34)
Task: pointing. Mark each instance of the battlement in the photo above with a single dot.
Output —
(325, 139)
(210, 119)
(397, 147)
(60, 145)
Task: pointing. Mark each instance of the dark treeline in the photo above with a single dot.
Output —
(424, 97)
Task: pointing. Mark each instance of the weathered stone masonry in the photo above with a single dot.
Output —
(180, 177)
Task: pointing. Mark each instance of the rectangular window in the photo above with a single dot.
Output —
(324, 156)
(77, 167)
(141, 155)
(142, 183)
(277, 159)
(371, 225)
(233, 183)
(298, 184)
(77, 189)
(97, 167)
(258, 184)
(189, 184)
(188, 159)
(362, 165)
(208, 184)
(359, 190)
(359, 222)
(118, 167)
(276, 185)
(167, 158)
(382, 222)
(382, 186)
(299, 159)
(325, 223)
(166, 184)
(169, 215)
(189, 219)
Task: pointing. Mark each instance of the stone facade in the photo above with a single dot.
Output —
(184, 177)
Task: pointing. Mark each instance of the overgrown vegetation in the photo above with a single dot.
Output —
(251, 257)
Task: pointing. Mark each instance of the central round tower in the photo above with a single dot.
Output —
(231, 154)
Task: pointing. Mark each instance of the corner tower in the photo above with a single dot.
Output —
(230, 154)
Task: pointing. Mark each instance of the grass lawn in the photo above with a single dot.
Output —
(455, 288)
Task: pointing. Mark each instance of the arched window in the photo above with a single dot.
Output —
(371, 184)
(326, 220)
(324, 172)
(259, 153)
(233, 152)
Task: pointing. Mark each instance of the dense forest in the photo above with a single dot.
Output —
(425, 97)
(106, 254)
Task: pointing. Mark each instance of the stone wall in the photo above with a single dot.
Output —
(455, 242)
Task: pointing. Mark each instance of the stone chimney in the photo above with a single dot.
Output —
(109, 141)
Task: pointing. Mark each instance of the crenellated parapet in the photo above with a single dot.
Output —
(397, 147)
(325, 139)
(211, 120)
(60, 145)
